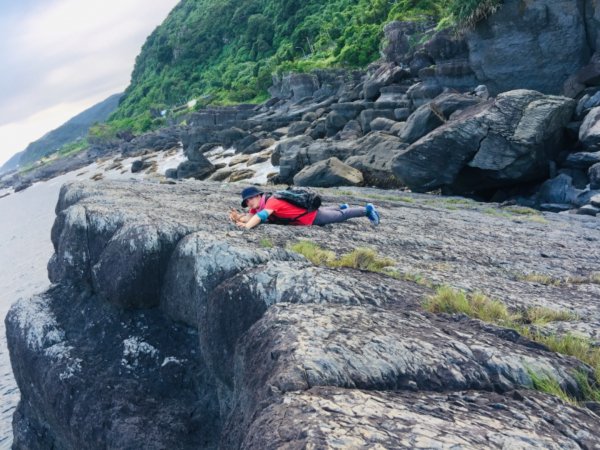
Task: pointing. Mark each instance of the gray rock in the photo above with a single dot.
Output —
(285, 145)
(298, 128)
(587, 102)
(241, 174)
(368, 115)
(385, 75)
(594, 176)
(171, 174)
(381, 124)
(559, 190)
(425, 119)
(578, 176)
(328, 173)
(502, 142)
(595, 200)
(582, 160)
(589, 133)
(139, 165)
(424, 92)
(376, 163)
(258, 146)
(195, 169)
(588, 210)
(401, 114)
(237, 346)
(510, 50)
(318, 130)
(352, 130)
(161, 140)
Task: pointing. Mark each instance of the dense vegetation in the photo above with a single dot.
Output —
(226, 51)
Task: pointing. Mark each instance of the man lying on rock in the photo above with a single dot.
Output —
(266, 208)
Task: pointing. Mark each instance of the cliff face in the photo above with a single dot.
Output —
(167, 327)
(536, 44)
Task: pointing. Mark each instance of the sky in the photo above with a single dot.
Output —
(60, 57)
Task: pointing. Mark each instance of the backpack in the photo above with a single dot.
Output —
(302, 198)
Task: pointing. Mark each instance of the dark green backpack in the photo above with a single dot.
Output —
(301, 197)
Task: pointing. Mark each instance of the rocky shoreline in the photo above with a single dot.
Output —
(179, 330)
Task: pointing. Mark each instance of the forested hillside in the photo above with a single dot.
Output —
(226, 51)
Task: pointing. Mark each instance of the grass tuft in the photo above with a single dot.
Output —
(549, 385)
(540, 278)
(314, 253)
(360, 258)
(266, 243)
(477, 305)
(364, 259)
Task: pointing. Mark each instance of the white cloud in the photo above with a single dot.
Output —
(63, 56)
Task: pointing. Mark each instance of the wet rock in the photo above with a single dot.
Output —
(318, 130)
(328, 173)
(401, 114)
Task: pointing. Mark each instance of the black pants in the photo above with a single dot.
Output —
(333, 214)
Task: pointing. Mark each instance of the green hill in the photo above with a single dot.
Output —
(225, 51)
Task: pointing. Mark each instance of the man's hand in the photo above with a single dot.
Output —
(234, 215)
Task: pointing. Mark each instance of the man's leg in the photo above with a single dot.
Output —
(331, 215)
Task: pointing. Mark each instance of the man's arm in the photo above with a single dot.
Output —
(256, 219)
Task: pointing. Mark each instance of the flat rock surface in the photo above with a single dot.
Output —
(231, 331)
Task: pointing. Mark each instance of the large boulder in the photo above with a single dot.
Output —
(429, 116)
(385, 75)
(328, 173)
(533, 45)
(294, 158)
(497, 143)
(376, 163)
(198, 169)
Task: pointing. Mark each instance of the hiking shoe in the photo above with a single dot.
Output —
(372, 214)
(344, 206)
